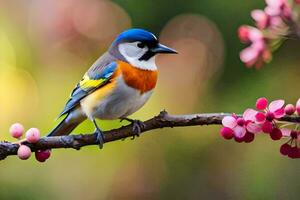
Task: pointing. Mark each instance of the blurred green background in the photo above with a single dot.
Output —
(46, 46)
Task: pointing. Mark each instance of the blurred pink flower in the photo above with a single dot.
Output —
(257, 53)
(278, 8)
(261, 18)
(273, 24)
(243, 33)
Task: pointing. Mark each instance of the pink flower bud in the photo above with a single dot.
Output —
(267, 127)
(261, 103)
(243, 33)
(240, 121)
(238, 139)
(293, 153)
(256, 35)
(16, 130)
(24, 152)
(289, 109)
(249, 137)
(294, 134)
(249, 56)
(270, 116)
(260, 117)
(285, 149)
(298, 107)
(266, 55)
(42, 156)
(276, 134)
(297, 1)
(226, 133)
(33, 135)
(261, 18)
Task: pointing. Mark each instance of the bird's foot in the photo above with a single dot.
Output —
(137, 126)
(99, 138)
(98, 134)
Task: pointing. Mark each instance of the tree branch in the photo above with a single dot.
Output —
(162, 120)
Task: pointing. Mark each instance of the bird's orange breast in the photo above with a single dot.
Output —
(142, 80)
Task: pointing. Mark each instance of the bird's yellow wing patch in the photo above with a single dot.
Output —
(92, 101)
(91, 81)
(87, 82)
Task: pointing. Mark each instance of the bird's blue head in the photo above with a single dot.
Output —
(138, 47)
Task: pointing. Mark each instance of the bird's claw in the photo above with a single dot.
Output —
(99, 138)
(137, 126)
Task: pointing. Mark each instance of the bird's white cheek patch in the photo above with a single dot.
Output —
(132, 54)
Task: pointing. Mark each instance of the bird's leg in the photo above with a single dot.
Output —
(137, 126)
(99, 135)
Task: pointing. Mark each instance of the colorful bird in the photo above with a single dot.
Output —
(118, 84)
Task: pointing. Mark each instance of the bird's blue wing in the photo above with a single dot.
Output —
(97, 76)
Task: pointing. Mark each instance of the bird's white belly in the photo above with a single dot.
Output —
(122, 102)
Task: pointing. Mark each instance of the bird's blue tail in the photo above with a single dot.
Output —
(66, 126)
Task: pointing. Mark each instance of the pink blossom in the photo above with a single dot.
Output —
(243, 33)
(267, 127)
(42, 156)
(278, 8)
(275, 21)
(33, 135)
(298, 107)
(260, 118)
(261, 18)
(261, 103)
(274, 7)
(294, 152)
(286, 132)
(16, 130)
(289, 109)
(297, 1)
(249, 33)
(24, 152)
(249, 137)
(255, 35)
(285, 149)
(249, 55)
(275, 110)
(288, 148)
(240, 126)
(257, 53)
(276, 134)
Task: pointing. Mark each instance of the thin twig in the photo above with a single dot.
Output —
(162, 120)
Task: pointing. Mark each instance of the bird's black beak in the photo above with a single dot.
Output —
(160, 48)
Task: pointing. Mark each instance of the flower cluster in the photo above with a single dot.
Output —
(32, 136)
(265, 119)
(273, 25)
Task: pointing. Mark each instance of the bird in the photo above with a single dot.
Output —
(117, 85)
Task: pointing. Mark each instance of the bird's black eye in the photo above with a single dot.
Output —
(141, 45)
